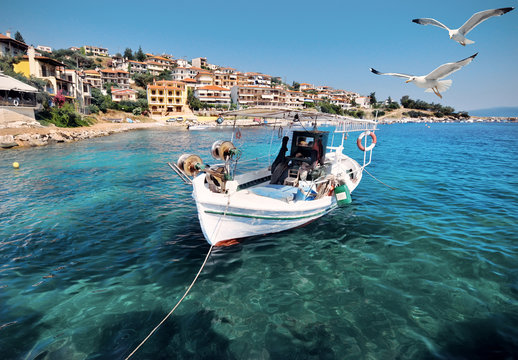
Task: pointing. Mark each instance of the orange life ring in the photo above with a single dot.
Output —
(360, 138)
(238, 134)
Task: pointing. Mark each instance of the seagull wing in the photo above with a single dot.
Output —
(446, 69)
(427, 21)
(480, 17)
(391, 74)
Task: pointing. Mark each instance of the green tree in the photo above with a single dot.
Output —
(406, 102)
(295, 86)
(372, 97)
(94, 109)
(142, 80)
(139, 55)
(142, 94)
(100, 100)
(165, 75)
(19, 37)
(108, 87)
(193, 101)
(64, 116)
(72, 59)
(128, 54)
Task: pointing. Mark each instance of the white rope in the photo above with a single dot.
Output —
(177, 304)
(393, 188)
(255, 159)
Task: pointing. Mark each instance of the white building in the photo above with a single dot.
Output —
(213, 94)
(94, 50)
(119, 95)
(81, 89)
(44, 48)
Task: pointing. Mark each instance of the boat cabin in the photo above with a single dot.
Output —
(308, 147)
(305, 159)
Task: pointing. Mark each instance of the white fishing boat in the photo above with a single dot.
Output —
(309, 177)
(198, 127)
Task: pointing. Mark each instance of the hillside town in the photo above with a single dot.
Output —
(214, 86)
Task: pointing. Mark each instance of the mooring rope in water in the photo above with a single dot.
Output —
(393, 188)
(177, 304)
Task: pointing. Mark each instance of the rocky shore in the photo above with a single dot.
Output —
(40, 136)
(37, 135)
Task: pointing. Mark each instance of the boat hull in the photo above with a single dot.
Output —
(243, 214)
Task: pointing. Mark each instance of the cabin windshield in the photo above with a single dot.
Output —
(304, 145)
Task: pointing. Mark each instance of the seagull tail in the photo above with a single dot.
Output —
(444, 85)
(468, 41)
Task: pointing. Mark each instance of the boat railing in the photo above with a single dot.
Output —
(355, 125)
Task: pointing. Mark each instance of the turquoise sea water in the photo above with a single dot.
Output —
(99, 240)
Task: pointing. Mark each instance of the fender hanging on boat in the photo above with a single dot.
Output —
(343, 195)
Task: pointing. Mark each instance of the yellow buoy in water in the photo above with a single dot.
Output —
(16, 165)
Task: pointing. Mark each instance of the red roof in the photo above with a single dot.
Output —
(213, 87)
(4, 38)
(114, 71)
(121, 91)
(46, 59)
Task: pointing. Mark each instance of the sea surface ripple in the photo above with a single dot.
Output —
(99, 239)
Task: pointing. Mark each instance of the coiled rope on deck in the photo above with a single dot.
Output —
(174, 308)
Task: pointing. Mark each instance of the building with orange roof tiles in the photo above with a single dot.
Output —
(93, 77)
(158, 64)
(180, 73)
(166, 98)
(136, 67)
(204, 78)
(94, 50)
(50, 70)
(119, 95)
(118, 77)
(258, 96)
(10, 46)
(212, 94)
(225, 77)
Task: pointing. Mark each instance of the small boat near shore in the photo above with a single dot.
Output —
(309, 177)
(198, 127)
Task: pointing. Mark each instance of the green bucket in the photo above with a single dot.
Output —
(343, 195)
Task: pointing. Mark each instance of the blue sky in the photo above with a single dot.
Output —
(319, 42)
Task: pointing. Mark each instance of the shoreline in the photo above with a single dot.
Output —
(39, 136)
(32, 136)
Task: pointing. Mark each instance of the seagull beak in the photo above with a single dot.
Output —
(408, 81)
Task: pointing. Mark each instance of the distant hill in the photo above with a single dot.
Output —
(496, 112)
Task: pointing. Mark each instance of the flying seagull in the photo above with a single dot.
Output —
(459, 34)
(432, 81)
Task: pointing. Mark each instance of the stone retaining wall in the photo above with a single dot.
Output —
(13, 117)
